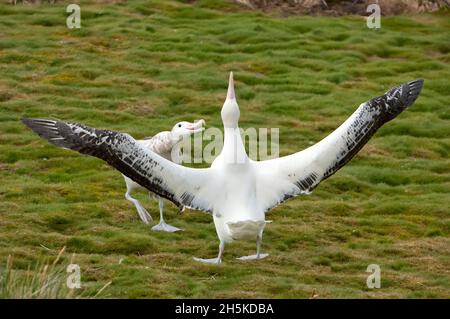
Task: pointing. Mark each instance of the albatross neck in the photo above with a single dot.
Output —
(233, 147)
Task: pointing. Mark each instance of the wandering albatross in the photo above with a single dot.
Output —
(236, 190)
(166, 144)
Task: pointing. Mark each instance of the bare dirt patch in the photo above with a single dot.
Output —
(344, 7)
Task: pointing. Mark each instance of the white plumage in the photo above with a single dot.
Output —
(235, 190)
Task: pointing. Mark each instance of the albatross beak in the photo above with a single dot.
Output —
(230, 109)
(230, 93)
(197, 126)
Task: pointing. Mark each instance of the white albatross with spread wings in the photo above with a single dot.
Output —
(166, 144)
(236, 190)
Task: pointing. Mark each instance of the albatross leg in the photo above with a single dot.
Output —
(162, 226)
(143, 214)
(258, 251)
(217, 260)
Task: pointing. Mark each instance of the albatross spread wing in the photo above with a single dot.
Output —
(183, 186)
(282, 178)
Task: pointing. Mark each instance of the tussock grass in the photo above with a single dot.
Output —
(139, 67)
(47, 280)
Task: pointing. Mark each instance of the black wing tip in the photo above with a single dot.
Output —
(27, 121)
(399, 98)
(412, 91)
(45, 128)
(33, 122)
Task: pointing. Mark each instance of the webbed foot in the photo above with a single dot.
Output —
(208, 261)
(253, 257)
(162, 226)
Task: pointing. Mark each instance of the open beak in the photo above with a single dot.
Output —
(197, 126)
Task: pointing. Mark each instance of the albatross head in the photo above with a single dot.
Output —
(182, 129)
(230, 109)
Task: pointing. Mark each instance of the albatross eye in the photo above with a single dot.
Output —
(179, 125)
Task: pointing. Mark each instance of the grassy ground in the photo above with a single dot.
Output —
(141, 67)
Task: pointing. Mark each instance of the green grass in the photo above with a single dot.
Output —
(140, 67)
